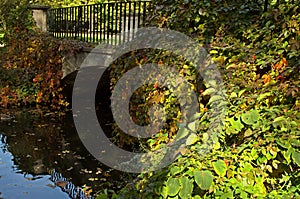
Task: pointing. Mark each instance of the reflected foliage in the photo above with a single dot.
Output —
(40, 145)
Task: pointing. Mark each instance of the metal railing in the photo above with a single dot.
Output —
(99, 22)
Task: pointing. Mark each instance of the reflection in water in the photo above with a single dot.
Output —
(68, 187)
(16, 184)
(47, 148)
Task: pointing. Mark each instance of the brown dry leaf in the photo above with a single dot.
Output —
(61, 184)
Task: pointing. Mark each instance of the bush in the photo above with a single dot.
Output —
(31, 70)
(257, 154)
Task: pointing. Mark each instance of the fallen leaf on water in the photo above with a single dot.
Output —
(66, 151)
(61, 184)
(69, 169)
(86, 171)
(93, 179)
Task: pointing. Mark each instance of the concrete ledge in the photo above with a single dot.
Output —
(103, 51)
(39, 7)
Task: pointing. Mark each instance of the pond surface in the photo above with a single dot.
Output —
(43, 157)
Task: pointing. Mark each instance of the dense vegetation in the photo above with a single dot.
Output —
(31, 62)
(257, 154)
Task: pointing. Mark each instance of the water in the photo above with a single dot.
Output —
(43, 157)
(15, 184)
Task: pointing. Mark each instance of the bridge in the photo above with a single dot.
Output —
(107, 23)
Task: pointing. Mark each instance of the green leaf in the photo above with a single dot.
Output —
(283, 143)
(241, 92)
(248, 133)
(164, 192)
(173, 186)
(262, 96)
(175, 170)
(250, 117)
(213, 52)
(102, 196)
(236, 124)
(296, 157)
(193, 138)
(254, 154)
(205, 137)
(204, 179)
(220, 167)
(212, 83)
(295, 142)
(279, 119)
(192, 126)
(215, 98)
(182, 133)
(287, 154)
(187, 188)
(209, 91)
(233, 95)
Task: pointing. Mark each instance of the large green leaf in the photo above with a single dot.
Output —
(250, 117)
(204, 179)
(186, 187)
(173, 186)
(175, 170)
(209, 91)
(236, 124)
(220, 167)
(296, 157)
(193, 138)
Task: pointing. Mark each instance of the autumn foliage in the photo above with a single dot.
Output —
(31, 70)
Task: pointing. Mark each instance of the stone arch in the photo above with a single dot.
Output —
(72, 62)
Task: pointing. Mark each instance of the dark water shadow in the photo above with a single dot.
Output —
(49, 147)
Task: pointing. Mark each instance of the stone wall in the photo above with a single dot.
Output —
(72, 63)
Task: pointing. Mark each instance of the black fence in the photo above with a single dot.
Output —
(98, 22)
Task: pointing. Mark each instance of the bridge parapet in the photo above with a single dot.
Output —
(72, 63)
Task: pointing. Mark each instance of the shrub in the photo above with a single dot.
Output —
(257, 154)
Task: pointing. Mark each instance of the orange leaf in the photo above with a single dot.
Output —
(160, 63)
(277, 66)
(284, 62)
(267, 78)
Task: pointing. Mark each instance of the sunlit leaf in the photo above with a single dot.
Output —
(187, 188)
(173, 186)
(250, 117)
(204, 179)
(296, 157)
(220, 167)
